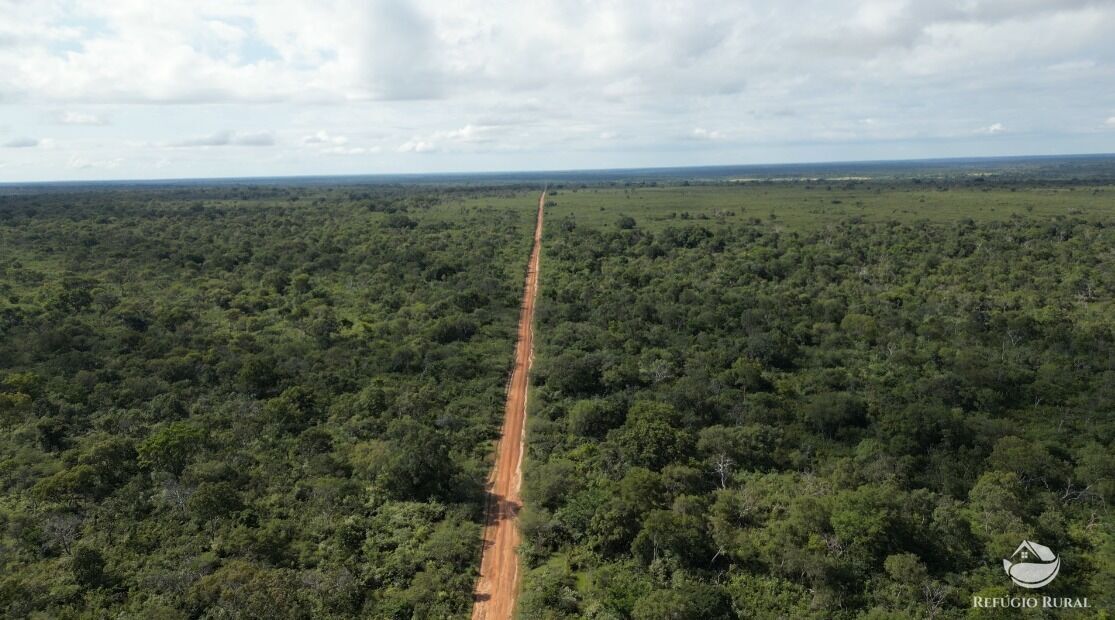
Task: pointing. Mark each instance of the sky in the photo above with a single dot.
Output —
(135, 89)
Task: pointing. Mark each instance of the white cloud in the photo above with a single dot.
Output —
(220, 138)
(400, 57)
(228, 138)
(469, 137)
(70, 117)
(82, 163)
(416, 146)
(1110, 122)
(700, 133)
(262, 138)
(350, 150)
(469, 133)
(21, 143)
(483, 82)
(345, 50)
(225, 31)
(333, 144)
(324, 137)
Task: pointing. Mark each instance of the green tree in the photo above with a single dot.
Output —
(172, 447)
(689, 600)
(88, 567)
(213, 500)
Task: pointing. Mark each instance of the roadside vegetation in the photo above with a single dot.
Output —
(246, 402)
(819, 400)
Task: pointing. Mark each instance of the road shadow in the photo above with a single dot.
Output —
(500, 509)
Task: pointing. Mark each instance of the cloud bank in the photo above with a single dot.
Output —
(413, 85)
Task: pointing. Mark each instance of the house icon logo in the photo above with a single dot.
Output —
(1032, 565)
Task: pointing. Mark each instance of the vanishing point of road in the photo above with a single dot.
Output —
(498, 586)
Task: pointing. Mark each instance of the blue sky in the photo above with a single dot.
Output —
(131, 89)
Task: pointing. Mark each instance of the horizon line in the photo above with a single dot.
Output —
(647, 171)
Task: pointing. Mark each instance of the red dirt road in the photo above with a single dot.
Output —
(498, 586)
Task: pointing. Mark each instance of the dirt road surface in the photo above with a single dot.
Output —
(498, 586)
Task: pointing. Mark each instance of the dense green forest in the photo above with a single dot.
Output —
(246, 402)
(766, 400)
(810, 401)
